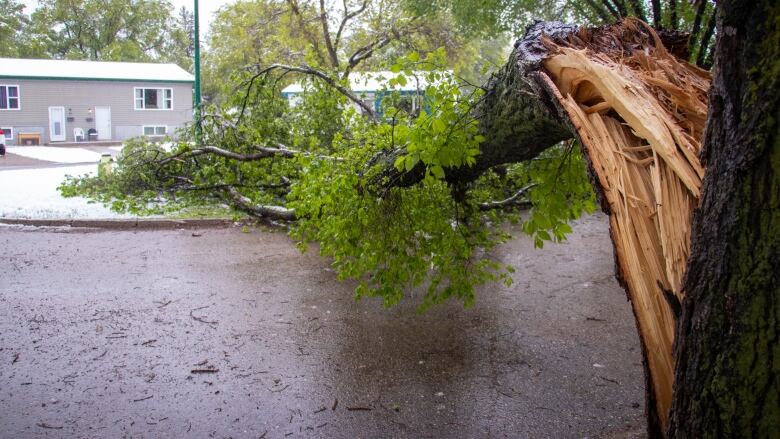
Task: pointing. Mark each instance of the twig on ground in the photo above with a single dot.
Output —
(202, 319)
(45, 425)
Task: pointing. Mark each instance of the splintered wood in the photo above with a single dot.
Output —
(640, 114)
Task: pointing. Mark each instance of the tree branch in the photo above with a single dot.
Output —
(348, 16)
(515, 115)
(365, 52)
(673, 14)
(657, 14)
(513, 201)
(261, 210)
(334, 58)
(603, 15)
(621, 7)
(262, 153)
(611, 9)
(638, 9)
(330, 81)
(705, 40)
(296, 11)
(702, 7)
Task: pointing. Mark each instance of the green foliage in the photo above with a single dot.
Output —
(115, 30)
(12, 22)
(563, 193)
(433, 235)
(410, 237)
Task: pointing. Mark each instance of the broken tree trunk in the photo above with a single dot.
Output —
(639, 113)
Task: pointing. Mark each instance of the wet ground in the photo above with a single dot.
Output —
(219, 333)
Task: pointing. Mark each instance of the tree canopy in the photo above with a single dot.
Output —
(115, 30)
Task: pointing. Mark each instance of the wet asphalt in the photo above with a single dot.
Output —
(220, 333)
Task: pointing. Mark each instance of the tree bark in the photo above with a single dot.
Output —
(728, 338)
(516, 116)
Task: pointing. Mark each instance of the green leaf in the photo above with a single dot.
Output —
(437, 172)
(438, 126)
(411, 161)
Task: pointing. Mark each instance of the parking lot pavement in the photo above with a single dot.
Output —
(231, 333)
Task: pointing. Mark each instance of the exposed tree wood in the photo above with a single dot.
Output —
(639, 113)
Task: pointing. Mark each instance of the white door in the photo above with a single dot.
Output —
(57, 124)
(103, 122)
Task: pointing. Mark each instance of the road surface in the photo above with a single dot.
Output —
(220, 333)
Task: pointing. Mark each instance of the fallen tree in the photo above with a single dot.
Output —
(639, 113)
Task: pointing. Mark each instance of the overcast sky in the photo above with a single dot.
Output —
(206, 9)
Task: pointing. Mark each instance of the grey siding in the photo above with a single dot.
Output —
(36, 96)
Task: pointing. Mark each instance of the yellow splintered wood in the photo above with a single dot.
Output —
(640, 119)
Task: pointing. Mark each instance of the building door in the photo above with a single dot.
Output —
(57, 124)
(103, 122)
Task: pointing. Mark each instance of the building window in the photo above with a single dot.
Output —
(153, 99)
(9, 97)
(155, 130)
(8, 133)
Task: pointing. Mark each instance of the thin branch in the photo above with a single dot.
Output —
(261, 210)
(330, 81)
(702, 7)
(621, 7)
(603, 15)
(657, 14)
(365, 52)
(638, 9)
(347, 17)
(513, 201)
(334, 58)
(673, 14)
(611, 9)
(262, 153)
(705, 40)
(296, 10)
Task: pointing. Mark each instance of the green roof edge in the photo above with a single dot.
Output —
(59, 78)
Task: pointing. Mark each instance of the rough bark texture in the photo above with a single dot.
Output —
(728, 350)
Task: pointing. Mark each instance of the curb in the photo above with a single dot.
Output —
(122, 223)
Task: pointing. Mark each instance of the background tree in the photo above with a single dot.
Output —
(12, 22)
(694, 18)
(114, 30)
(337, 38)
(179, 47)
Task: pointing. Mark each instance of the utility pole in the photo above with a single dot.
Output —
(198, 127)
